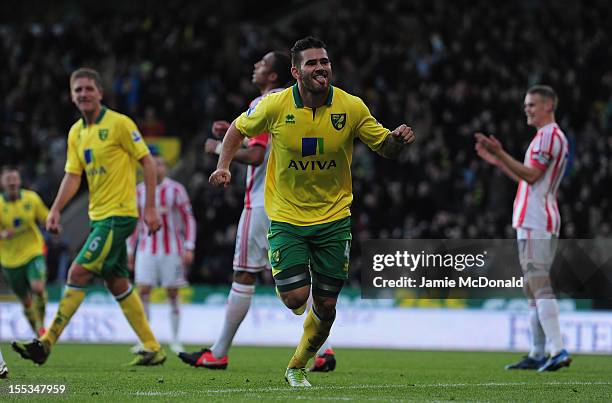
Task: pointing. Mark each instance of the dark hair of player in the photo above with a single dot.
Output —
(309, 42)
(282, 68)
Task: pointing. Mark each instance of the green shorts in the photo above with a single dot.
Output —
(325, 248)
(104, 252)
(20, 278)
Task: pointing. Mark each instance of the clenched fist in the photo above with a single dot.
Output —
(221, 177)
(403, 134)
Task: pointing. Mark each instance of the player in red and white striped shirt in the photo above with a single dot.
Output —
(162, 258)
(537, 220)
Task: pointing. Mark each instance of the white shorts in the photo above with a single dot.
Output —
(251, 252)
(163, 270)
(537, 250)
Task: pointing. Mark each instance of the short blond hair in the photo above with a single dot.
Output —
(86, 72)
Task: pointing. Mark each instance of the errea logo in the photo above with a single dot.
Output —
(290, 119)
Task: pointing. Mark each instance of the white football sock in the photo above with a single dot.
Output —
(175, 317)
(548, 313)
(146, 299)
(326, 345)
(538, 338)
(238, 304)
(1, 358)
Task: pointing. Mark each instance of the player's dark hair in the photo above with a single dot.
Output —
(545, 91)
(282, 68)
(309, 42)
(86, 72)
(9, 168)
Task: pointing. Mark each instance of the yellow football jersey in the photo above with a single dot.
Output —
(108, 152)
(308, 179)
(22, 217)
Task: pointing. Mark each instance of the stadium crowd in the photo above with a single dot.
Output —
(448, 68)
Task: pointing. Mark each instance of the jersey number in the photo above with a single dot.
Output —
(93, 245)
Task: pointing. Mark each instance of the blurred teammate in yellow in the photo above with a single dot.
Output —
(21, 246)
(106, 145)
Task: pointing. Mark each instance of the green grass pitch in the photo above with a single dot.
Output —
(255, 374)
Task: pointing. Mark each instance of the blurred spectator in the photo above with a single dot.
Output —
(151, 126)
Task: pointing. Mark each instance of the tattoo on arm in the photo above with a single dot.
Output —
(390, 148)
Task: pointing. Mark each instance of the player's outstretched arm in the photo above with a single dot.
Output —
(68, 188)
(516, 170)
(151, 218)
(396, 141)
(231, 143)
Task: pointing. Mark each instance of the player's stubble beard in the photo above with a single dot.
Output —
(311, 86)
(12, 192)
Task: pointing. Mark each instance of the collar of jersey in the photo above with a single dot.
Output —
(550, 124)
(297, 99)
(100, 116)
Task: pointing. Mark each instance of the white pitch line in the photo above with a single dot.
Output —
(288, 388)
(552, 383)
(170, 393)
(404, 386)
(348, 399)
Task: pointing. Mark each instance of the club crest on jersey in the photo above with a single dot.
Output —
(103, 134)
(290, 119)
(338, 120)
(16, 222)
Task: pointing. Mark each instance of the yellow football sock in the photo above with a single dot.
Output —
(32, 317)
(73, 296)
(315, 334)
(40, 304)
(132, 308)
